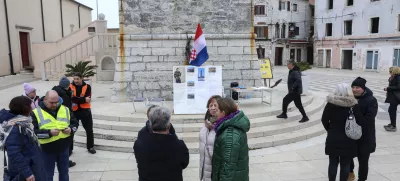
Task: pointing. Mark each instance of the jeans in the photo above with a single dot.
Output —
(62, 160)
(85, 116)
(363, 168)
(344, 167)
(297, 101)
(393, 114)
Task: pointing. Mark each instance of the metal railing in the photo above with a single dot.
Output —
(55, 65)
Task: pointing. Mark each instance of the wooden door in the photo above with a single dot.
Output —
(24, 46)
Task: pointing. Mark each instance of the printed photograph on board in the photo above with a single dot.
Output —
(190, 96)
(190, 69)
(190, 83)
(212, 70)
(201, 74)
(179, 75)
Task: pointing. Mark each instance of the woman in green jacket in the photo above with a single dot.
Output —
(231, 153)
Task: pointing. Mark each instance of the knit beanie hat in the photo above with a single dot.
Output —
(28, 88)
(359, 82)
(64, 82)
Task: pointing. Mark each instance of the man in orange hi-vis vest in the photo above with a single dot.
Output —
(81, 97)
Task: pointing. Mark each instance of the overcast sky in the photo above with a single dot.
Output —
(107, 7)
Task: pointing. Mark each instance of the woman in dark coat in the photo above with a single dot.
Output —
(392, 90)
(340, 148)
(25, 160)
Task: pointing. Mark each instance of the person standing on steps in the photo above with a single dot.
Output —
(295, 88)
(81, 98)
(364, 112)
(53, 125)
(65, 93)
(392, 97)
(340, 148)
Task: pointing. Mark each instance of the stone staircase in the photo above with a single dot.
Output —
(119, 133)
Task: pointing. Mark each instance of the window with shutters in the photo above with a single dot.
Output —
(288, 6)
(261, 31)
(282, 5)
(295, 7)
(283, 32)
(350, 2)
(259, 10)
(297, 31)
(276, 30)
(348, 27)
(398, 23)
(330, 4)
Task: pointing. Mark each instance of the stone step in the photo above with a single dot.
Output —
(257, 112)
(254, 143)
(191, 133)
(312, 108)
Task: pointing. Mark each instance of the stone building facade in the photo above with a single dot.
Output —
(154, 36)
(357, 35)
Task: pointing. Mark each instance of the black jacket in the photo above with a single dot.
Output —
(294, 82)
(334, 120)
(66, 95)
(61, 144)
(365, 112)
(80, 100)
(160, 157)
(392, 90)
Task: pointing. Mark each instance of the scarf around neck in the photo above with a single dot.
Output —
(222, 120)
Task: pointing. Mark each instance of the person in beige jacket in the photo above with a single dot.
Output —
(207, 137)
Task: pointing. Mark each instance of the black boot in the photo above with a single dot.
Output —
(71, 164)
(304, 119)
(283, 116)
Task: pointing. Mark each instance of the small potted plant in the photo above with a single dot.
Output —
(304, 66)
(82, 67)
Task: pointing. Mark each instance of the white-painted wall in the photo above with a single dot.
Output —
(27, 13)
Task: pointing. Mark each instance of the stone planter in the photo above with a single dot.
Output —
(305, 79)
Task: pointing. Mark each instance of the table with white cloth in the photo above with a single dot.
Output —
(254, 89)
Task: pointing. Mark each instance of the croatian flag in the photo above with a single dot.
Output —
(199, 53)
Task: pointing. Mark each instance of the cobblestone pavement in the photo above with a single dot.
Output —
(303, 160)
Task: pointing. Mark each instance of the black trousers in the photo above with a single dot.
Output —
(71, 147)
(85, 116)
(344, 167)
(393, 114)
(297, 101)
(363, 168)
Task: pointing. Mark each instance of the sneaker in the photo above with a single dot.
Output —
(352, 176)
(92, 151)
(387, 126)
(71, 164)
(304, 119)
(391, 128)
(283, 116)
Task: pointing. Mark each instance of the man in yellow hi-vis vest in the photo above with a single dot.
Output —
(54, 124)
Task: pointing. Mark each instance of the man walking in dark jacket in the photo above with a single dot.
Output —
(81, 98)
(365, 112)
(53, 125)
(65, 93)
(295, 90)
(160, 156)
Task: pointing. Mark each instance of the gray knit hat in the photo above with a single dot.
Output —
(64, 82)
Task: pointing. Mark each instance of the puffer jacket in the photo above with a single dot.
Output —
(207, 138)
(393, 90)
(294, 83)
(230, 160)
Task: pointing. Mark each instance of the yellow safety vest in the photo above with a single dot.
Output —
(47, 122)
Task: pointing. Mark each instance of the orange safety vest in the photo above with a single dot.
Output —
(84, 105)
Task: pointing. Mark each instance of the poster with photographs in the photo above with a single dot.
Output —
(193, 86)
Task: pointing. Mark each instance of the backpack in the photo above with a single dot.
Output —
(352, 129)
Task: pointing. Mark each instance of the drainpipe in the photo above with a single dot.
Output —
(44, 30)
(9, 41)
(62, 21)
(79, 16)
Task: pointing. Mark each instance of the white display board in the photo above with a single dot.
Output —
(193, 86)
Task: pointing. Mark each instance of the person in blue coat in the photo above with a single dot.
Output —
(22, 146)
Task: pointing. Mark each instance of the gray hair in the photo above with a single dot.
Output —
(160, 117)
(343, 90)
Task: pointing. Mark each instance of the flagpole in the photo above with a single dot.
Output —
(97, 9)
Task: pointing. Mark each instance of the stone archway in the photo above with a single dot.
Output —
(107, 69)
